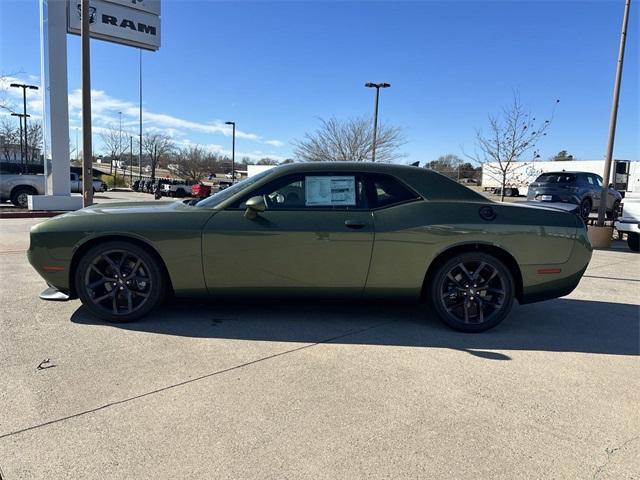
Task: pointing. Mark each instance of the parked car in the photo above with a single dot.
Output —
(362, 230)
(580, 188)
(629, 220)
(176, 188)
(18, 187)
(76, 184)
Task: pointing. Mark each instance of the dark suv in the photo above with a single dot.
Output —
(581, 188)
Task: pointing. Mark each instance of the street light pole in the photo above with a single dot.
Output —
(614, 117)
(377, 86)
(24, 88)
(233, 152)
(22, 155)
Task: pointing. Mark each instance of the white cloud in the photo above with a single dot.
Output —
(105, 114)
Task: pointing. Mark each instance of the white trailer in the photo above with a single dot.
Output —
(625, 174)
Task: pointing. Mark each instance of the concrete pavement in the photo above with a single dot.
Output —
(319, 390)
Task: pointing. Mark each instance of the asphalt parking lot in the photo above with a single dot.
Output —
(319, 390)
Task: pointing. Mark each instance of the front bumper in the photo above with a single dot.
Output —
(54, 295)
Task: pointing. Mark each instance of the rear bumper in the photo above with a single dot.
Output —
(553, 289)
(537, 284)
(628, 226)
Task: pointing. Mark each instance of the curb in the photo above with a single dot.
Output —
(31, 214)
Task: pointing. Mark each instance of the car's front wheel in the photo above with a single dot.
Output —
(472, 292)
(119, 281)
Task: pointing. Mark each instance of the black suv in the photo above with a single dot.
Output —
(581, 188)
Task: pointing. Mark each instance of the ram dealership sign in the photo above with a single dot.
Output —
(129, 22)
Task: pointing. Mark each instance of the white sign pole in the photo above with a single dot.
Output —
(53, 51)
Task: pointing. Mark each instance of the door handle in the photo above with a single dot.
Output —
(355, 224)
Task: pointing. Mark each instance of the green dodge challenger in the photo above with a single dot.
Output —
(333, 229)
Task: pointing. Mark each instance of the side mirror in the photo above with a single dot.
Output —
(612, 186)
(254, 206)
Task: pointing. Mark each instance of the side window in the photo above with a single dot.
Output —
(341, 191)
(590, 180)
(598, 180)
(385, 191)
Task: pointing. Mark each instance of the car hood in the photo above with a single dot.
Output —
(128, 208)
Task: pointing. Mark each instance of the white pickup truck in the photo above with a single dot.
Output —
(629, 221)
(18, 187)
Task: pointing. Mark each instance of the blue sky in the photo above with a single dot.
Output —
(276, 67)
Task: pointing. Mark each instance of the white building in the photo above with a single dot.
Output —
(625, 174)
(255, 169)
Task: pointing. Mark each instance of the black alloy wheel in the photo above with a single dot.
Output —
(613, 213)
(472, 292)
(119, 281)
(585, 208)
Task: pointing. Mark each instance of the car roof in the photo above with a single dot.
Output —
(426, 182)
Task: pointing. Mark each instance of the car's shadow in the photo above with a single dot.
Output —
(562, 325)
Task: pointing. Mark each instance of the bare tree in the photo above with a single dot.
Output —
(9, 138)
(113, 145)
(192, 163)
(267, 161)
(5, 80)
(350, 140)
(511, 135)
(34, 141)
(157, 146)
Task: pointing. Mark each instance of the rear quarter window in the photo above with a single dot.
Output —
(385, 191)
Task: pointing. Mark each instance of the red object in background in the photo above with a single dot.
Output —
(201, 191)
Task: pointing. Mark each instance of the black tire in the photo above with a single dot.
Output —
(466, 307)
(127, 278)
(585, 208)
(633, 240)
(508, 192)
(613, 213)
(19, 196)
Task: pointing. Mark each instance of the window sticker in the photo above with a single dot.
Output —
(330, 190)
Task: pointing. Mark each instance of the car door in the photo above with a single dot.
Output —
(594, 190)
(611, 192)
(315, 237)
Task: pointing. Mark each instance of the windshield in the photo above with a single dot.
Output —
(556, 178)
(219, 197)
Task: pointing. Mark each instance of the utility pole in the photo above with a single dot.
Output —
(377, 86)
(119, 142)
(233, 152)
(87, 167)
(614, 117)
(130, 160)
(140, 134)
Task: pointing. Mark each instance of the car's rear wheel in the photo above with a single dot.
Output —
(613, 213)
(472, 292)
(20, 196)
(633, 240)
(119, 281)
(585, 208)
